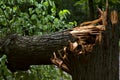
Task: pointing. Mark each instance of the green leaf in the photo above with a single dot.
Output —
(80, 2)
(53, 10)
(63, 13)
(66, 11)
(38, 11)
(31, 11)
(46, 4)
(14, 8)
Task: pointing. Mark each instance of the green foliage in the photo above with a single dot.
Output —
(43, 72)
(83, 4)
(4, 73)
(30, 17)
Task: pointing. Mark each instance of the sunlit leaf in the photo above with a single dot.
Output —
(46, 3)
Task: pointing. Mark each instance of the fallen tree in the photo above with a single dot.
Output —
(87, 52)
(36, 50)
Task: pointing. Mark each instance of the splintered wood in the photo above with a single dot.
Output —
(86, 38)
(86, 35)
(114, 17)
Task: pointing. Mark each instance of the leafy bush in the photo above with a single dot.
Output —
(31, 18)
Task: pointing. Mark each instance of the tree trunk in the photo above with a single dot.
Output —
(91, 9)
(102, 63)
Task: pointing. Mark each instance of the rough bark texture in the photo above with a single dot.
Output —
(23, 51)
(102, 63)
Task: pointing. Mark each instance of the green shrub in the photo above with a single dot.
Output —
(31, 18)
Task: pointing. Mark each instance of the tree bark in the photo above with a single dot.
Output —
(102, 63)
(91, 9)
(23, 51)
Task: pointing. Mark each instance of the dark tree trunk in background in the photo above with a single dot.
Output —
(91, 9)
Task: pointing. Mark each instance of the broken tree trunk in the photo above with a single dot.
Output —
(102, 63)
(23, 51)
